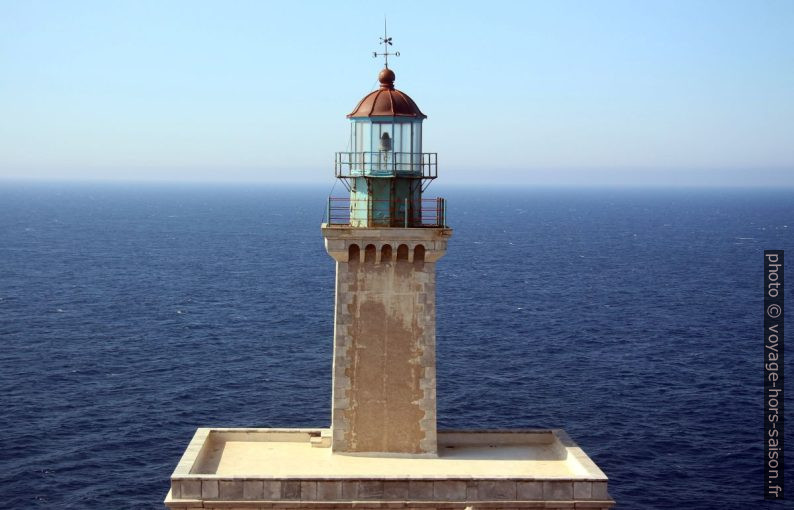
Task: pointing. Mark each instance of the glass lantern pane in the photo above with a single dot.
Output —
(397, 138)
(405, 146)
(374, 139)
(365, 137)
(416, 157)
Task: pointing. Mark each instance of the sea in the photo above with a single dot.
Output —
(131, 314)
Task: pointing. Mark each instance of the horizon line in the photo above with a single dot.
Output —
(446, 184)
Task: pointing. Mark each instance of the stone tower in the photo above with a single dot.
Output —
(385, 238)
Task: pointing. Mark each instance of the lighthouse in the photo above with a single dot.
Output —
(382, 449)
(385, 237)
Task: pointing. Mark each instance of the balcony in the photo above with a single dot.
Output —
(410, 165)
(417, 213)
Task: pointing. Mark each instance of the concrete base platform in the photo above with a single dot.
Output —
(295, 468)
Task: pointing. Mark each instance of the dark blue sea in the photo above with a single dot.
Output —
(132, 314)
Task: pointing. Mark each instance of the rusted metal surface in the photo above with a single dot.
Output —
(387, 101)
(428, 212)
(386, 78)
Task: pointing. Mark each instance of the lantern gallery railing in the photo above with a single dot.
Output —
(407, 213)
(416, 165)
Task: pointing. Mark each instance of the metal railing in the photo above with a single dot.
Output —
(406, 213)
(417, 165)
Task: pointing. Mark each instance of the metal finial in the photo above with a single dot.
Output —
(386, 42)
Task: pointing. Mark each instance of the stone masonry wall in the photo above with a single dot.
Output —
(384, 351)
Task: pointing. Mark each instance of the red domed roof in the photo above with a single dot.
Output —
(386, 101)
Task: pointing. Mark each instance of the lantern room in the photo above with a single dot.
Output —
(387, 123)
(386, 170)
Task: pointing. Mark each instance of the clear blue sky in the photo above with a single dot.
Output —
(587, 92)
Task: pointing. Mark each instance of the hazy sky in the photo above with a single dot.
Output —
(625, 93)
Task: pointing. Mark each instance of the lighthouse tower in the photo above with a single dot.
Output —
(386, 238)
(382, 449)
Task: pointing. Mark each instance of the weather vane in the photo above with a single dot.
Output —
(386, 42)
